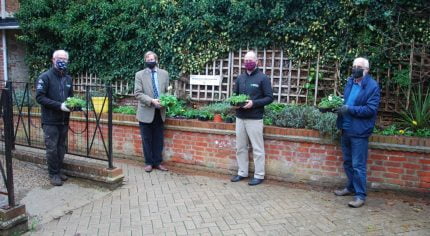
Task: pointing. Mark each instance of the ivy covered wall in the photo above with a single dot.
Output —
(109, 38)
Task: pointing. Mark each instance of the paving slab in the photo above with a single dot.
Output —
(182, 202)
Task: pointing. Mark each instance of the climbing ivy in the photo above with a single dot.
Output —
(109, 38)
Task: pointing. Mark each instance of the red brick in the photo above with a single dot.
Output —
(331, 163)
(410, 177)
(378, 157)
(425, 185)
(395, 170)
(392, 164)
(302, 149)
(391, 175)
(377, 168)
(411, 166)
(395, 181)
(313, 150)
(395, 158)
(373, 179)
(425, 161)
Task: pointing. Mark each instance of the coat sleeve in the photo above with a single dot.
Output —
(139, 92)
(370, 108)
(42, 88)
(267, 94)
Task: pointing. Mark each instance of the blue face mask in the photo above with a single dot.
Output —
(61, 65)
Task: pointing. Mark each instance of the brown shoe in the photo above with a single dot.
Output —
(148, 168)
(161, 167)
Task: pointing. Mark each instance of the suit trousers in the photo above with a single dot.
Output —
(153, 139)
(250, 130)
(55, 142)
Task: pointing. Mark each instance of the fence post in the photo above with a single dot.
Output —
(9, 142)
(110, 126)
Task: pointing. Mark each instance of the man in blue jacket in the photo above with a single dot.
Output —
(249, 121)
(53, 88)
(356, 119)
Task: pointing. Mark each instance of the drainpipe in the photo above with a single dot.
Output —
(4, 45)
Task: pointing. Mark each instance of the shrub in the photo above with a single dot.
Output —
(418, 114)
(128, 110)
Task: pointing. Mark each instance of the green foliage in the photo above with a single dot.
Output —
(271, 112)
(418, 114)
(168, 101)
(128, 110)
(109, 38)
(331, 101)
(401, 77)
(75, 102)
(237, 99)
(23, 98)
(218, 108)
(326, 124)
(395, 130)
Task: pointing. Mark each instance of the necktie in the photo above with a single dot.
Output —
(154, 86)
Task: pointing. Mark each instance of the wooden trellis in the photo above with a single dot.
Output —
(288, 78)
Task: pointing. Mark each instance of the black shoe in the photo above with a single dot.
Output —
(237, 178)
(56, 181)
(255, 181)
(63, 177)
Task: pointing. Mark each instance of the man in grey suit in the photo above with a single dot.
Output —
(149, 84)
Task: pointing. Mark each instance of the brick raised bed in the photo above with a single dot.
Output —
(297, 155)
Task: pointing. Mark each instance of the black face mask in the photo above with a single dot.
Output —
(151, 64)
(357, 73)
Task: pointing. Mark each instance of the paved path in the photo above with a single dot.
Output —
(173, 203)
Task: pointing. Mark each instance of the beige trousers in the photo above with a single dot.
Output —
(250, 130)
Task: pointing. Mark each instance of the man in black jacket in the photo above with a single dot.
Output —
(249, 121)
(53, 88)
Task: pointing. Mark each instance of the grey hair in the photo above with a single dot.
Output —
(254, 55)
(362, 59)
(151, 53)
(61, 51)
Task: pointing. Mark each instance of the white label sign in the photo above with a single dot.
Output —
(205, 80)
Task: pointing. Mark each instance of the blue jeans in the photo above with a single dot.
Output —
(355, 152)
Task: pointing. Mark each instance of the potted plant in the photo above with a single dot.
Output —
(330, 103)
(100, 101)
(218, 109)
(238, 100)
(75, 104)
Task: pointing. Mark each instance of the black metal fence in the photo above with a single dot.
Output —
(6, 146)
(90, 129)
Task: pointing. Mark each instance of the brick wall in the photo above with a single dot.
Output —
(12, 6)
(295, 155)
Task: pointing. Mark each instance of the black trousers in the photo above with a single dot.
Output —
(153, 139)
(55, 142)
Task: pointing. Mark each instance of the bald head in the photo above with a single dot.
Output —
(250, 56)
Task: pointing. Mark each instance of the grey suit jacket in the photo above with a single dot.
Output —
(144, 93)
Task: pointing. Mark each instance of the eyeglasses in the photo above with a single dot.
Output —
(358, 67)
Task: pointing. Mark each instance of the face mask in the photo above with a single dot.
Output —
(250, 65)
(150, 64)
(61, 65)
(357, 72)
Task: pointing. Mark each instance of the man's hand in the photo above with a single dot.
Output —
(248, 105)
(156, 103)
(342, 110)
(64, 107)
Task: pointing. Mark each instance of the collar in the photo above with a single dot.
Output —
(58, 72)
(253, 72)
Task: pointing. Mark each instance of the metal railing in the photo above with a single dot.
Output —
(6, 128)
(90, 129)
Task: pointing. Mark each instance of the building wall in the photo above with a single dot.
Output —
(17, 69)
(11, 7)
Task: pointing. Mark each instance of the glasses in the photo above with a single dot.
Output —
(358, 67)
